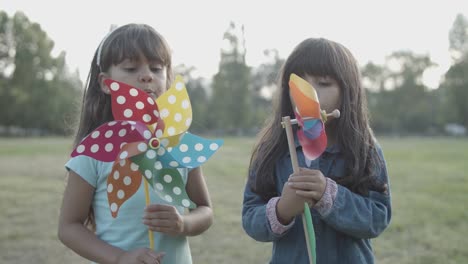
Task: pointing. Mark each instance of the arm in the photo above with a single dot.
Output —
(266, 221)
(361, 216)
(254, 217)
(353, 214)
(75, 207)
(72, 232)
(200, 218)
(166, 218)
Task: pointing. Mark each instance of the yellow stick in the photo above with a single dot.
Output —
(295, 164)
(147, 197)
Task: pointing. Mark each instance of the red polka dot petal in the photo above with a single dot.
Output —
(131, 103)
(105, 142)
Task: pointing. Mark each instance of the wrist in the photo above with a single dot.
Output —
(282, 213)
(116, 257)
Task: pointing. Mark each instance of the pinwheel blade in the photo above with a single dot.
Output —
(169, 185)
(122, 183)
(148, 163)
(106, 142)
(176, 111)
(191, 152)
(131, 103)
(311, 132)
(312, 148)
(304, 97)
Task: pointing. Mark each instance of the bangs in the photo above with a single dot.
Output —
(133, 42)
(315, 57)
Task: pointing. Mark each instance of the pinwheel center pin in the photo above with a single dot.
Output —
(154, 143)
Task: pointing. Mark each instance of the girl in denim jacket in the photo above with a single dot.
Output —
(347, 186)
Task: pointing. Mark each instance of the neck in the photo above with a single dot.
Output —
(331, 133)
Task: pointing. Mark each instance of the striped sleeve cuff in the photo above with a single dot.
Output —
(275, 224)
(325, 204)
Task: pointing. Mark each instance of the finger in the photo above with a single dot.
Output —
(158, 215)
(157, 207)
(165, 230)
(160, 256)
(306, 186)
(159, 223)
(304, 178)
(309, 194)
(302, 169)
(157, 256)
(147, 258)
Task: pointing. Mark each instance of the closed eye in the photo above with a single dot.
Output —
(156, 69)
(325, 84)
(130, 69)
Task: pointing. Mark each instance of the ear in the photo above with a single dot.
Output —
(102, 76)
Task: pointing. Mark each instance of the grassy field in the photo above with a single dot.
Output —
(429, 183)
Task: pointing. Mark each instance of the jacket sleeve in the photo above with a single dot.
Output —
(361, 216)
(254, 218)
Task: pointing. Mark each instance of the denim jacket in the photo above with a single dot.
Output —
(342, 235)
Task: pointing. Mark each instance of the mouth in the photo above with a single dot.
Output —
(150, 92)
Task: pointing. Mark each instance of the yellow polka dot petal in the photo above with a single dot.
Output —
(176, 110)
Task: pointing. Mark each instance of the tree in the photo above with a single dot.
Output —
(230, 103)
(197, 90)
(456, 86)
(263, 85)
(401, 103)
(458, 38)
(37, 89)
(455, 82)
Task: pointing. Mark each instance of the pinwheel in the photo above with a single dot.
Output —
(312, 137)
(149, 140)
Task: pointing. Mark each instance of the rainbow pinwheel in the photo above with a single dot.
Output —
(148, 139)
(311, 132)
(312, 137)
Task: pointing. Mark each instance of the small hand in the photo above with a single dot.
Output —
(164, 218)
(140, 255)
(290, 203)
(308, 184)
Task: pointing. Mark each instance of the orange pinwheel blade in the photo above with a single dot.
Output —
(304, 97)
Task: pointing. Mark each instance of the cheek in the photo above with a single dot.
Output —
(330, 100)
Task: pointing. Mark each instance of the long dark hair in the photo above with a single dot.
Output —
(320, 57)
(126, 42)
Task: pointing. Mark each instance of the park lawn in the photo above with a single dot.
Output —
(428, 179)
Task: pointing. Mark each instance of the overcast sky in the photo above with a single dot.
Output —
(194, 29)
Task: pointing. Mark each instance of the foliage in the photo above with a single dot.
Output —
(230, 104)
(456, 79)
(197, 90)
(38, 94)
(36, 89)
(398, 100)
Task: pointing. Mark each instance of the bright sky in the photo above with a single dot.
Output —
(194, 29)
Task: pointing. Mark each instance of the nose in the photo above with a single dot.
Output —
(146, 76)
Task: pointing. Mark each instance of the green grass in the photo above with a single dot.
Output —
(428, 179)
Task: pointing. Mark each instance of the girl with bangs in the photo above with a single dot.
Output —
(346, 187)
(137, 55)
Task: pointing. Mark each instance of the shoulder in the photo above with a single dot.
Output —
(88, 168)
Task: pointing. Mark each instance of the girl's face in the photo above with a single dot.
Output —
(328, 91)
(149, 76)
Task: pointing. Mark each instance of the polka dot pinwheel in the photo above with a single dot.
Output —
(149, 140)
